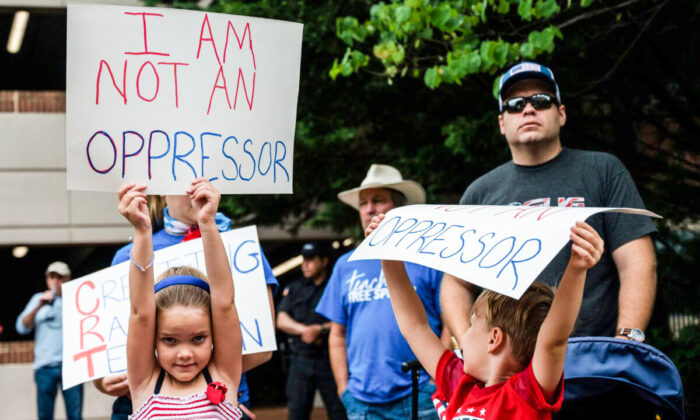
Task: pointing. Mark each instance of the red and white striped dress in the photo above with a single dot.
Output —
(194, 407)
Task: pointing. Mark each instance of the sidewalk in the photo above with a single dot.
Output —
(280, 413)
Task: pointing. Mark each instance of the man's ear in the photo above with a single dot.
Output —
(562, 115)
(500, 124)
(497, 339)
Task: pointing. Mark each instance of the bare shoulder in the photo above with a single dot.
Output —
(139, 394)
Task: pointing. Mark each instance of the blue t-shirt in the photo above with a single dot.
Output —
(48, 327)
(357, 297)
(162, 239)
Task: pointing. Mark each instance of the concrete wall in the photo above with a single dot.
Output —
(18, 396)
(36, 206)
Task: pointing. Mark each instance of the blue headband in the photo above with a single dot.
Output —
(174, 280)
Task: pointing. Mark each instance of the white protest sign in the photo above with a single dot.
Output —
(501, 248)
(96, 307)
(162, 96)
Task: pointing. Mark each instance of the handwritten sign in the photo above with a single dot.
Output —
(162, 96)
(96, 307)
(501, 248)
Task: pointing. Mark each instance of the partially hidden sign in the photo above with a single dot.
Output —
(96, 307)
(163, 96)
(500, 248)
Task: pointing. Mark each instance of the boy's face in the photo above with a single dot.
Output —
(183, 341)
(475, 348)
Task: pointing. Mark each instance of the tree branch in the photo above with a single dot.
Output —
(594, 13)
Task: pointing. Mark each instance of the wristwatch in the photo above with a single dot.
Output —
(632, 333)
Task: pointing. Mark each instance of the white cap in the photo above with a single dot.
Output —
(58, 267)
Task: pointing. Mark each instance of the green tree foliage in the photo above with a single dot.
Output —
(446, 41)
(626, 68)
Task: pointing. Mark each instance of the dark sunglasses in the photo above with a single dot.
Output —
(538, 101)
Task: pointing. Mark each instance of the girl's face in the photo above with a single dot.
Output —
(183, 341)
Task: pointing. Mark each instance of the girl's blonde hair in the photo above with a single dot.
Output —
(182, 294)
(156, 204)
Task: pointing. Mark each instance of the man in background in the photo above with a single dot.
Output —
(43, 314)
(309, 367)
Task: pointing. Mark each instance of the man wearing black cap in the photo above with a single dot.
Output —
(309, 368)
(620, 289)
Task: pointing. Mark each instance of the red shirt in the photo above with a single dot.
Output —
(462, 397)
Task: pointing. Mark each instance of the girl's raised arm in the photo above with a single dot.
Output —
(140, 341)
(224, 317)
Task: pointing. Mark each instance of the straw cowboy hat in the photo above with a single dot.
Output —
(384, 176)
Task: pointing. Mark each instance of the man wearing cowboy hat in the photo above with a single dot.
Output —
(365, 344)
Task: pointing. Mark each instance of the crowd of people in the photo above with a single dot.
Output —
(352, 323)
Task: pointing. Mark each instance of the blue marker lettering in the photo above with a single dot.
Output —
(513, 261)
(120, 353)
(381, 228)
(229, 157)
(180, 157)
(483, 246)
(252, 158)
(257, 337)
(277, 161)
(150, 142)
(205, 157)
(125, 154)
(461, 238)
(252, 254)
(427, 234)
(416, 229)
(512, 244)
(269, 158)
(114, 148)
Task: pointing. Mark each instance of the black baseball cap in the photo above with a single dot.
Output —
(314, 249)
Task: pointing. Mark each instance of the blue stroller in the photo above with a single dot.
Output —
(609, 378)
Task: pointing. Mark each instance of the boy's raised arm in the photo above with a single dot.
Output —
(142, 318)
(550, 350)
(409, 311)
(226, 329)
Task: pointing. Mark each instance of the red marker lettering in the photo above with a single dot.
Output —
(240, 41)
(88, 354)
(145, 34)
(217, 86)
(77, 298)
(121, 92)
(83, 333)
(238, 84)
(138, 82)
(210, 39)
(175, 77)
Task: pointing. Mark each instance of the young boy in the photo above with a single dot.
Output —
(514, 350)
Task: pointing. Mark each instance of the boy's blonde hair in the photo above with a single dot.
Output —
(182, 294)
(519, 319)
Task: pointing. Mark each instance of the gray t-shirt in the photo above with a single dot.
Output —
(575, 178)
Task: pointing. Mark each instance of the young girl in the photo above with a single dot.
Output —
(184, 340)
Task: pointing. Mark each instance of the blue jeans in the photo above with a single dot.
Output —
(48, 380)
(394, 410)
